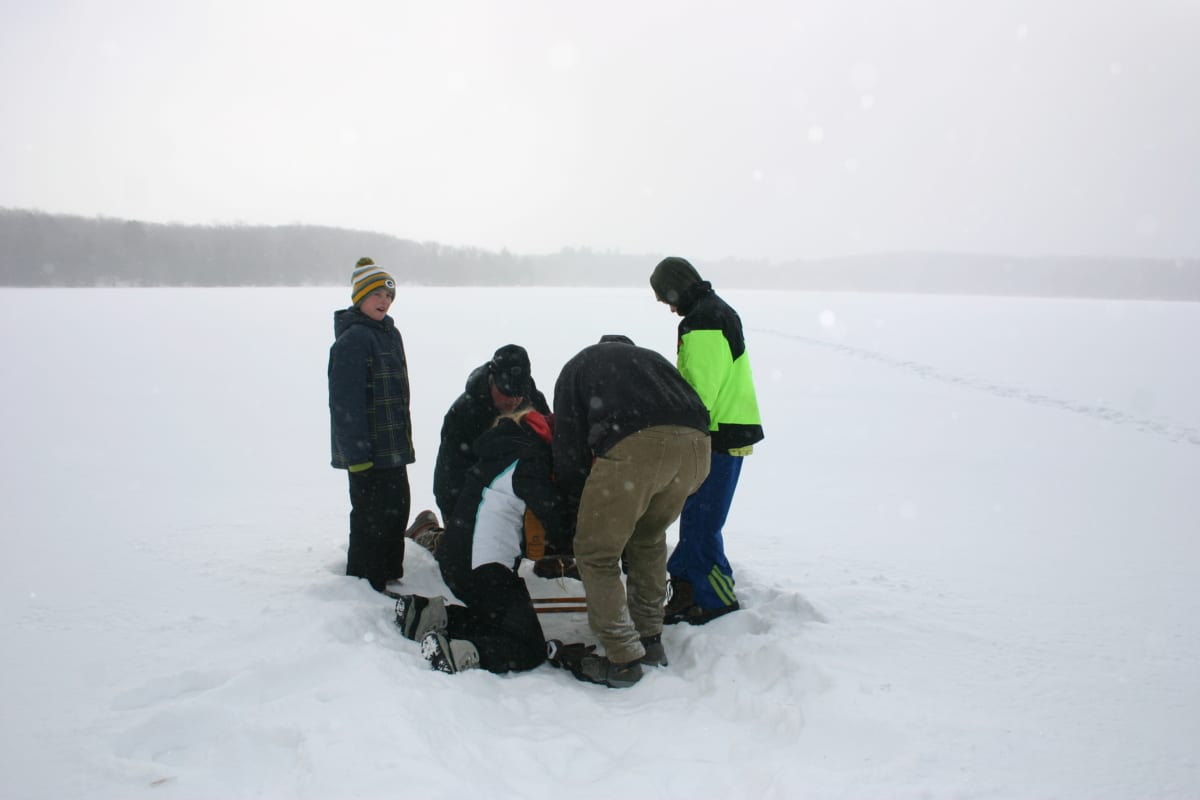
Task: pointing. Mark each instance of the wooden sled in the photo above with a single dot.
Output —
(560, 605)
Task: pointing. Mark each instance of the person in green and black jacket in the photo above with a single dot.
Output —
(712, 357)
(370, 426)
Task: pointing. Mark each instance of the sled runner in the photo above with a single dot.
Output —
(560, 605)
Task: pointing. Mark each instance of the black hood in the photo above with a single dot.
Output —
(478, 385)
(693, 295)
(672, 279)
(346, 318)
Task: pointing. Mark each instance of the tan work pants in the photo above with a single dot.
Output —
(633, 494)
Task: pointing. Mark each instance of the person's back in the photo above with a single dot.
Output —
(608, 391)
(712, 358)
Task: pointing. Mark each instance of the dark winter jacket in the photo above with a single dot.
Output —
(712, 357)
(368, 393)
(512, 472)
(608, 391)
(469, 416)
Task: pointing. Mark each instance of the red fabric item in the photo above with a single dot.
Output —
(540, 424)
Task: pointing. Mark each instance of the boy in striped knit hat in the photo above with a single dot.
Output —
(370, 426)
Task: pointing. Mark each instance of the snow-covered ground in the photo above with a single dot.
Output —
(967, 553)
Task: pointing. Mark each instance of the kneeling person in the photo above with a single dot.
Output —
(497, 629)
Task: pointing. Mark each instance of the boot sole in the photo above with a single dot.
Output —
(701, 616)
(436, 650)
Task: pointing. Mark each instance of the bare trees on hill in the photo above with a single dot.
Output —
(40, 249)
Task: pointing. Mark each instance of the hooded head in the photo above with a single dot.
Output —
(615, 337)
(672, 279)
(368, 277)
(509, 369)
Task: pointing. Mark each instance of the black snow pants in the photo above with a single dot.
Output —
(380, 502)
(498, 618)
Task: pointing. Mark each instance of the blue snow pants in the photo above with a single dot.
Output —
(699, 558)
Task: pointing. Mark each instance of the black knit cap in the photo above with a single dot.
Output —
(672, 278)
(510, 370)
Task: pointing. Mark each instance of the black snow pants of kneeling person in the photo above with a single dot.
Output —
(498, 618)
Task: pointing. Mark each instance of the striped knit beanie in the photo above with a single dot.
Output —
(367, 278)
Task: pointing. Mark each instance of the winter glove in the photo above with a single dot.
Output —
(567, 656)
(535, 536)
(363, 467)
(556, 567)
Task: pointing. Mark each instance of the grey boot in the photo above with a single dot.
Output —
(656, 654)
(449, 655)
(598, 669)
(418, 615)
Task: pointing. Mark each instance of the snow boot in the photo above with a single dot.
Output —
(449, 655)
(418, 615)
(598, 669)
(679, 600)
(567, 656)
(656, 654)
(695, 615)
(425, 530)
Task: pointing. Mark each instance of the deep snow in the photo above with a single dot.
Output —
(967, 553)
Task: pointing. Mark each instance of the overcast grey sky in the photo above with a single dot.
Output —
(708, 129)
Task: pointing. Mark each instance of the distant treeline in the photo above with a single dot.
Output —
(39, 249)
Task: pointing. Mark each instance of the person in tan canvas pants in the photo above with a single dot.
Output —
(631, 444)
(633, 494)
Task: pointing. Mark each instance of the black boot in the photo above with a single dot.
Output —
(679, 600)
